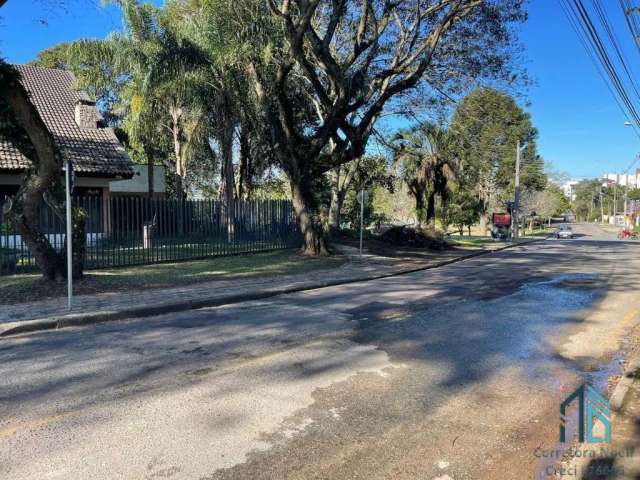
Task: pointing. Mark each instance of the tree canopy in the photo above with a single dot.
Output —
(486, 128)
(238, 98)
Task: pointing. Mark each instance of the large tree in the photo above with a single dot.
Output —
(486, 128)
(165, 82)
(353, 60)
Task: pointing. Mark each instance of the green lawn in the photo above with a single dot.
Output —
(479, 241)
(28, 287)
(470, 241)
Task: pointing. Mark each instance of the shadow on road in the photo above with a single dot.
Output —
(455, 327)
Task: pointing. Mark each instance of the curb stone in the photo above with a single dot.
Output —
(631, 372)
(80, 319)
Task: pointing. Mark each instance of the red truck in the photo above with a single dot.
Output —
(501, 219)
(501, 229)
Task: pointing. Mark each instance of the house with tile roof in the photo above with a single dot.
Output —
(100, 162)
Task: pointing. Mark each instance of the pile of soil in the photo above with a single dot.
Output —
(406, 236)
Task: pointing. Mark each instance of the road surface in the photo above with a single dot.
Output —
(452, 373)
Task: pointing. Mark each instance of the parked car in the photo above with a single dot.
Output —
(564, 232)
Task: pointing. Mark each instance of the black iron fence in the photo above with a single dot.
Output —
(124, 231)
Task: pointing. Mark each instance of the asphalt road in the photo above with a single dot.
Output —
(452, 373)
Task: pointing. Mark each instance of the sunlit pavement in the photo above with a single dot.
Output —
(450, 373)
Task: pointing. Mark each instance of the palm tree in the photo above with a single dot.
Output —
(166, 86)
(427, 168)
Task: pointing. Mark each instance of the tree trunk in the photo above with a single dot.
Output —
(179, 185)
(336, 205)
(484, 222)
(313, 240)
(178, 151)
(228, 179)
(421, 211)
(79, 242)
(245, 173)
(47, 165)
(484, 217)
(335, 208)
(484, 197)
(25, 219)
(431, 208)
(339, 192)
(150, 174)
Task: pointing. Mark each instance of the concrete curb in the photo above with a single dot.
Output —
(78, 319)
(631, 372)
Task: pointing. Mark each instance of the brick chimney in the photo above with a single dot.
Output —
(86, 114)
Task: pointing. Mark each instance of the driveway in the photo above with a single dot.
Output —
(452, 373)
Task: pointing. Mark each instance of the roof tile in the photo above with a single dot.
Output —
(93, 152)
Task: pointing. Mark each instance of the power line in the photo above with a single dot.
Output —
(589, 36)
(606, 60)
(584, 42)
(616, 45)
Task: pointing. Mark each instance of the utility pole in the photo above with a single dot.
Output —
(69, 236)
(624, 212)
(601, 207)
(615, 201)
(516, 201)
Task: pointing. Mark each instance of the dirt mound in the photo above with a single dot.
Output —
(406, 236)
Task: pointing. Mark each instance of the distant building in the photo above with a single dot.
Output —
(631, 180)
(569, 189)
(102, 167)
(139, 183)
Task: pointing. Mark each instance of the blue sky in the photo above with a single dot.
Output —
(581, 127)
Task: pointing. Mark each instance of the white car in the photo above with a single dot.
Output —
(564, 232)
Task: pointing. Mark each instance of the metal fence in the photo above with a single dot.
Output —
(123, 231)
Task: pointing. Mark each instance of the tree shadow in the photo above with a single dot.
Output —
(468, 320)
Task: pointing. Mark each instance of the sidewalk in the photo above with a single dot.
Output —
(53, 313)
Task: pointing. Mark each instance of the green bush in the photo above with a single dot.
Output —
(405, 236)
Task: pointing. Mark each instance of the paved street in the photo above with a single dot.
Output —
(452, 373)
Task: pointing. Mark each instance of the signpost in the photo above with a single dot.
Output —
(68, 187)
(362, 197)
